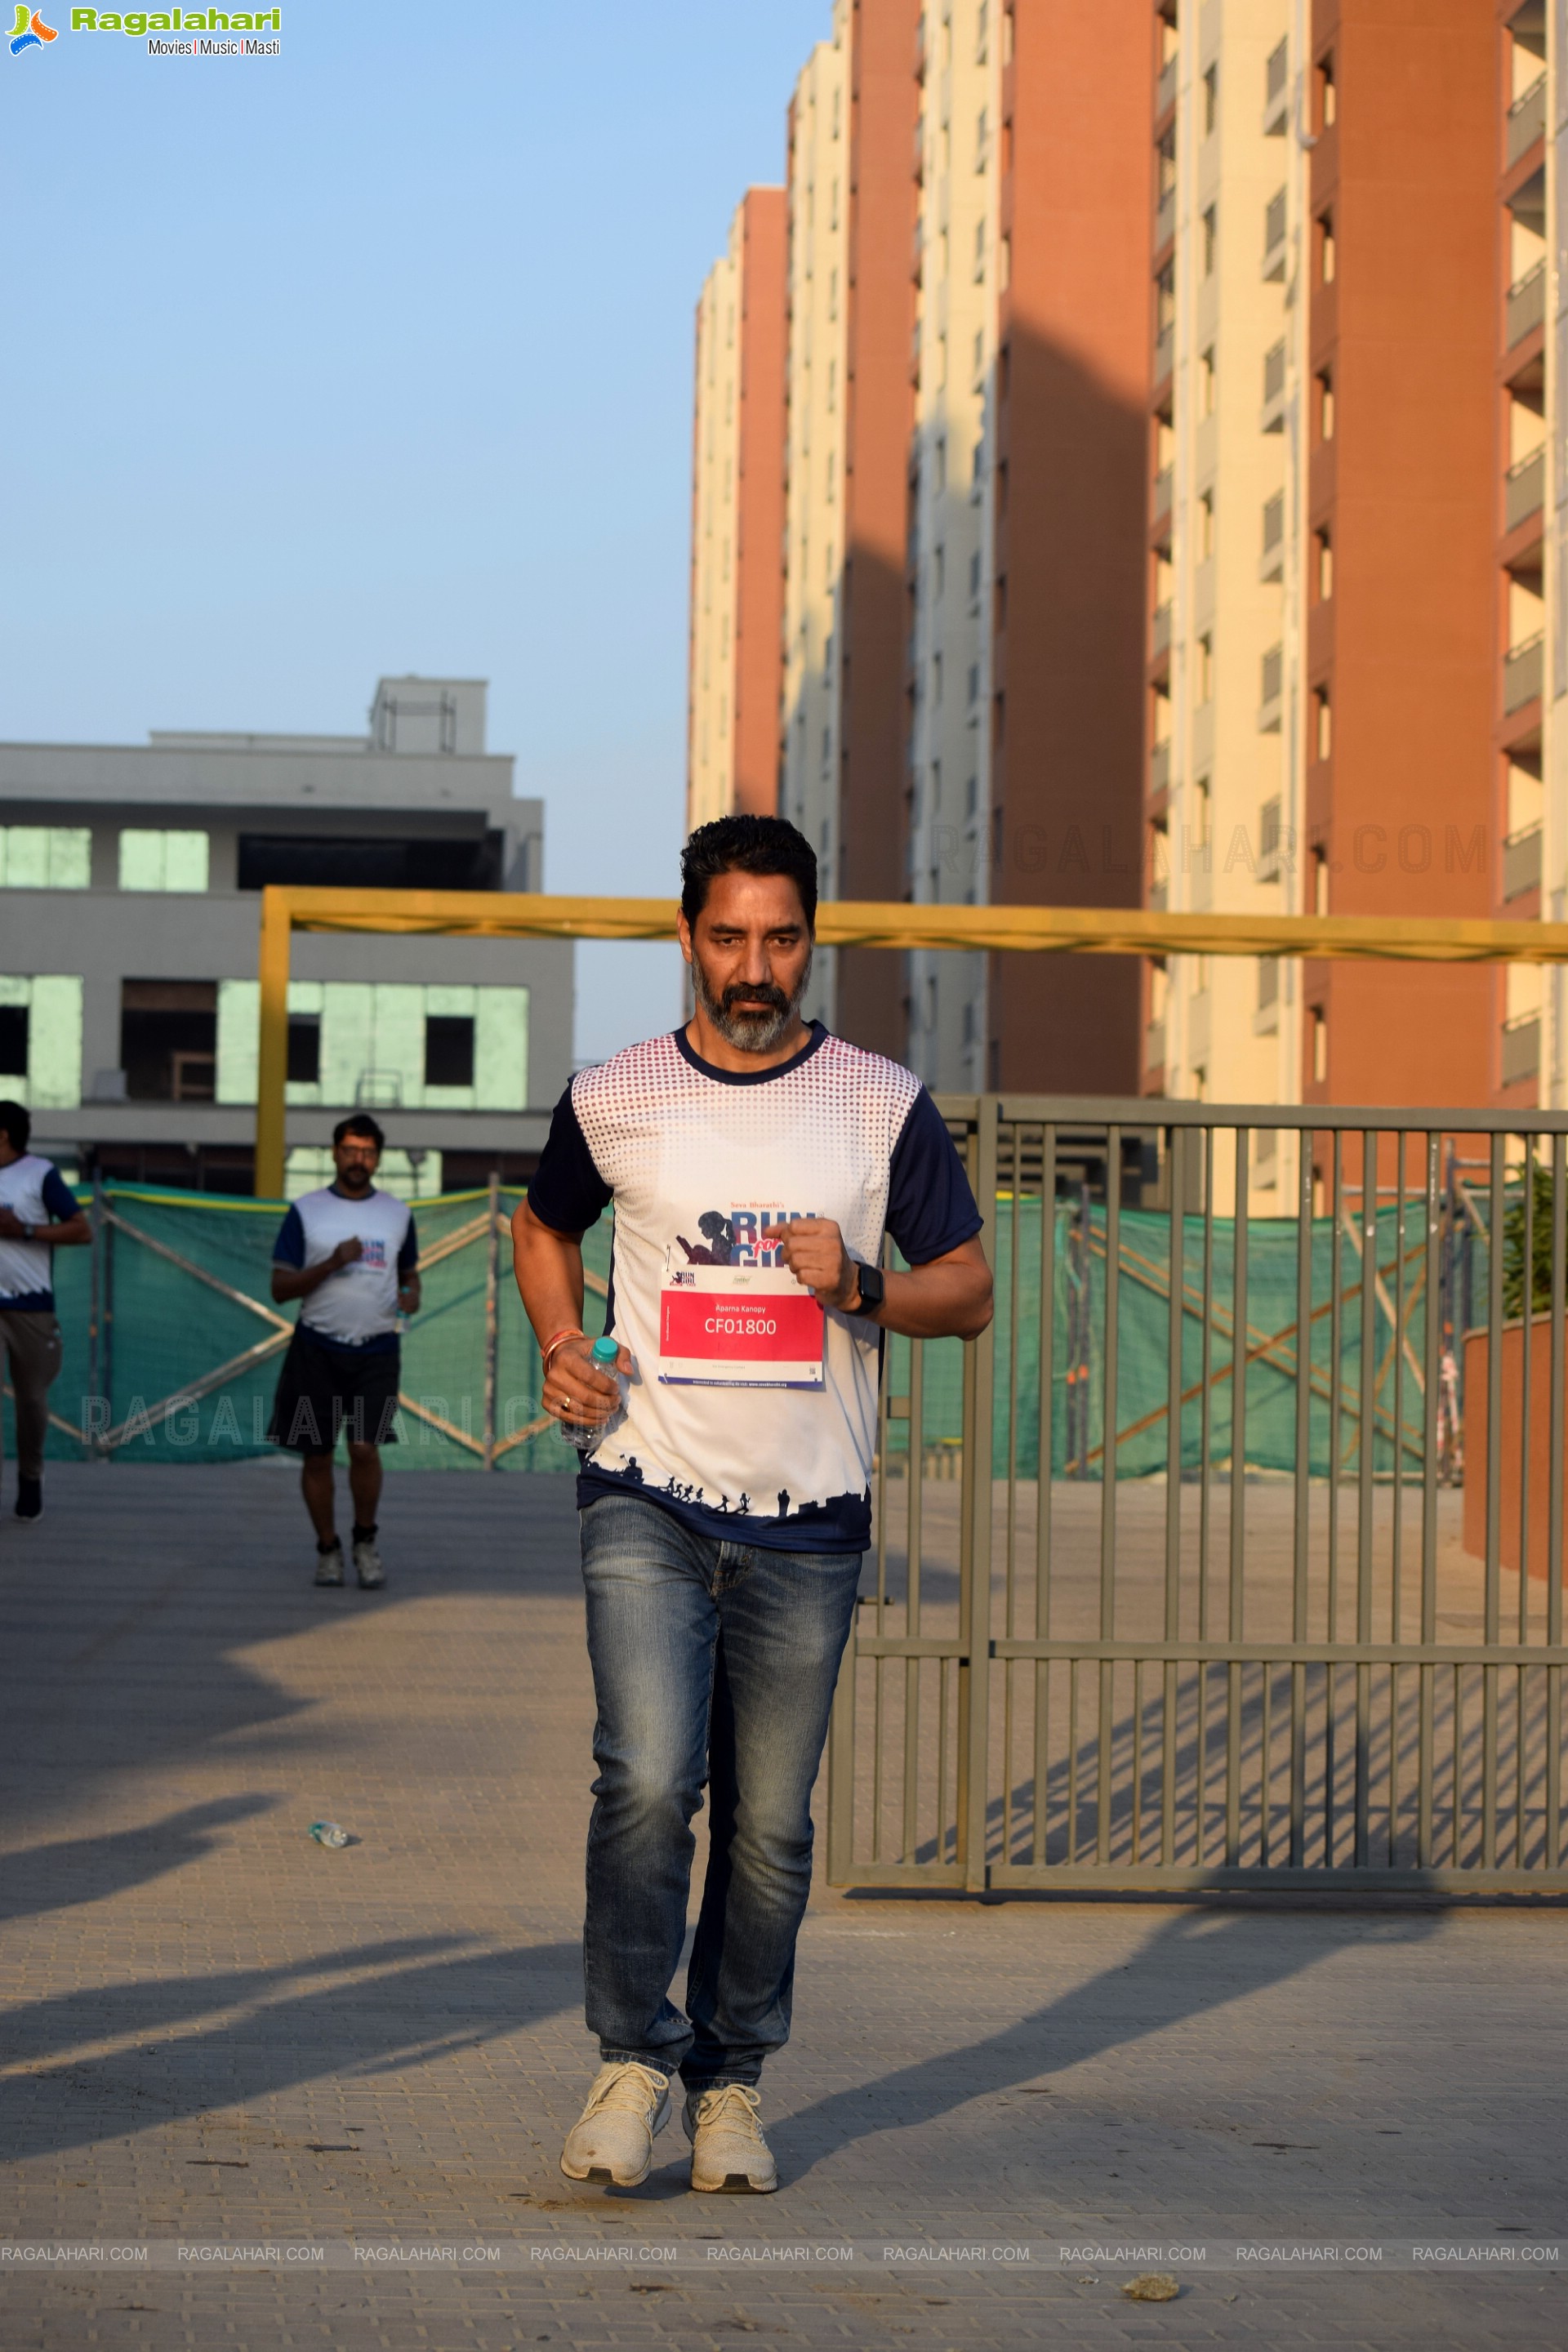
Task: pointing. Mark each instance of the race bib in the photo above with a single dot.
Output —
(738, 1327)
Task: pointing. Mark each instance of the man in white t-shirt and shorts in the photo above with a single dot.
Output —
(38, 1214)
(350, 1255)
(755, 1163)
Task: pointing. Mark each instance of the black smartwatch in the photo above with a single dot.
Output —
(873, 1290)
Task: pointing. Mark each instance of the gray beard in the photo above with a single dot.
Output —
(749, 1033)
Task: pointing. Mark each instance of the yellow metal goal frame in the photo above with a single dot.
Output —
(846, 922)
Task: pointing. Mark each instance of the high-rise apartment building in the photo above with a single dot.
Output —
(1354, 458)
(951, 538)
(737, 519)
(851, 310)
(964, 532)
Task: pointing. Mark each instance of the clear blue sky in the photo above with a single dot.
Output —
(376, 357)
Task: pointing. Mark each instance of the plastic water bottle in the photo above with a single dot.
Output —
(583, 1436)
(327, 1833)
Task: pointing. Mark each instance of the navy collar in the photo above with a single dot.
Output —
(817, 1037)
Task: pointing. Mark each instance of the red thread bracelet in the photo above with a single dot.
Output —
(572, 1332)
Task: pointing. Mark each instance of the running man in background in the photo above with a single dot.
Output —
(38, 1214)
(726, 1501)
(350, 1255)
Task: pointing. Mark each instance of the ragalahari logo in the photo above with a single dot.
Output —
(30, 32)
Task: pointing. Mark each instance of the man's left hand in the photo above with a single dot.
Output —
(11, 1226)
(813, 1249)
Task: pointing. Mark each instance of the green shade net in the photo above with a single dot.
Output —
(145, 1381)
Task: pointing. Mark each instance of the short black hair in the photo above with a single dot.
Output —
(358, 1122)
(747, 844)
(16, 1125)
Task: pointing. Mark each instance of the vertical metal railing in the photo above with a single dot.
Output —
(1310, 1630)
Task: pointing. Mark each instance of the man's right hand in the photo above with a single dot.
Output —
(346, 1252)
(577, 1391)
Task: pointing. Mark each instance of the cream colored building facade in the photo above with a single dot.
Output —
(814, 518)
(710, 759)
(1227, 621)
(951, 553)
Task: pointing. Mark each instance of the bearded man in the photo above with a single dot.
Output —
(725, 1490)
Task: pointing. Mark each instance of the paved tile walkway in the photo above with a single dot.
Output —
(216, 2034)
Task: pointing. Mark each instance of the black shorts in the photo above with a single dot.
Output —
(324, 1391)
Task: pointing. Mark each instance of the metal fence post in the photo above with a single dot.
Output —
(492, 1281)
(980, 1386)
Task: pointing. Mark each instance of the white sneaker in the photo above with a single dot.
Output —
(727, 2150)
(612, 2138)
(330, 1564)
(367, 1565)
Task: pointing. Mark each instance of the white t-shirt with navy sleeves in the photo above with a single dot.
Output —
(357, 1306)
(701, 1164)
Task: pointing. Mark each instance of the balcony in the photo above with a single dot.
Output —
(1526, 121)
(1165, 355)
(1524, 489)
(1277, 92)
(1520, 1048)
(1160, 635)
(1270, 707)
(1166, 219)
(1271, 564)
(1521, 863)
(1272, 419)
(1154, 1045)
(1165, 88)
(1160, 770)
(1274, 237)
(1159, 504)
(1526, 306)
(1159, 895)
(1523, 671)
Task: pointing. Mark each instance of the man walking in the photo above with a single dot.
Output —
(38, 1214)
(726, 1505)
(350, 1254)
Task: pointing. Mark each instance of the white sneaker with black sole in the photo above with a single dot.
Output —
(330, 1563)
(367, 1564)
(727, 2150)
(612, 2139)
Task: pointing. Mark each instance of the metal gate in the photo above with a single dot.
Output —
(1232, 1554)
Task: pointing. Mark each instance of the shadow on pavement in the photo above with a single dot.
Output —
(351, 2013)
(82, 1870)
(1195, 1963)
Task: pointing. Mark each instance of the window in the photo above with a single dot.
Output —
(1206, 526)
(1204, 681)
(936, 677)
(939, 571)
(1323, 723)
(40, 1040)
(1328, 104)
(1211, 238)
(1325, 406)
(369, 862)
(1206, 395)
(1326, 255)
(1319, 1020)
(973, 684)
(168, 1039)
(974, 578)
(1322, 566)
(1211, 100)
(44, 857)
(981, 140)
(304, 1068)
(14, 1025)
(1202, 808)
(449, 1049)
(1320, 881)
(1268, 983)
(972, 796)
(979, 251)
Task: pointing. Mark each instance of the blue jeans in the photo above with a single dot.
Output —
(714, 1662)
